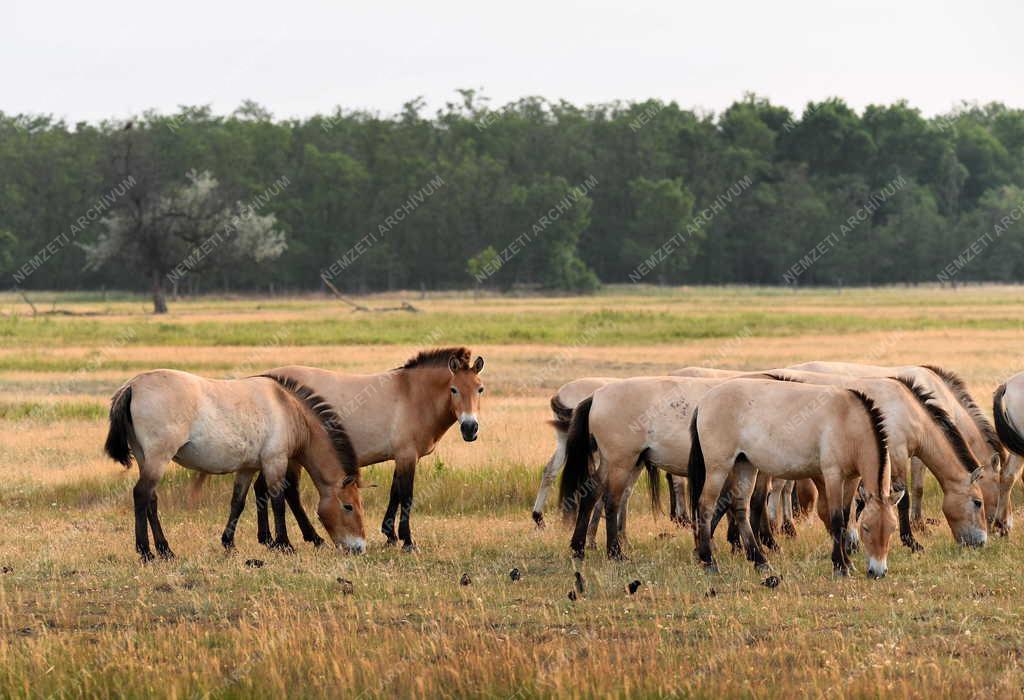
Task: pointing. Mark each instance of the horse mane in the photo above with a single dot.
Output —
(438, 357)
(782, 378)
(329, 419)
(959, 389)
(943, 420)
(878, 427)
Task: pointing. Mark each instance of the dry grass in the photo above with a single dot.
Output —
(80, 616)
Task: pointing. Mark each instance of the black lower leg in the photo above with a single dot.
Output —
(262, 511)
(906, 532)
(227, 538)
(611, 520)
(277, 502)
(294, 500)
(162, 548)
(141, 495)
(404, 528)
(388, 525)
(702, 533)
(586, 500)
(840, 560)
(759, 519)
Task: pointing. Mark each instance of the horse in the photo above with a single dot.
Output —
(1008, 412)
(568, 396)
(625, 425)
(400, 415)
(247, 425)
(741, 427)
(951, 394)
(918, 427)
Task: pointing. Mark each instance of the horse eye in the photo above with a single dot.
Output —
(347, 506)
(454, 391)
(866, 528)
(977, 503)
(480, 390)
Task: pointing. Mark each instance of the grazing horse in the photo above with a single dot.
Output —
(401, 414)
(792, 431)
(951, 394)
(918, 427)
(625, 425)
(563, 403)
(224, 426)
(1008, 411)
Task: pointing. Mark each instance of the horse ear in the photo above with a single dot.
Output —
(862, 494)
(478, 365)
(897, 496)
(996, 463)
(453, 364)
(978, 473)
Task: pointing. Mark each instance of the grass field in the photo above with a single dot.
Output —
(80, 616)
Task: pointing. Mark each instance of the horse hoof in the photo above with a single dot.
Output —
(391, 542)
(617, 556)
(711, 569)
(166, 554)
(914, 546)
(763, 568)
(229, 545)
(841, 571)
(146, 557)
(318, 542)
(578, 554)
(539, 519)
(283, 547)
(410, 547)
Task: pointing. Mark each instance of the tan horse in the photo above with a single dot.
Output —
(564, 401)
(1008, 411)
(401, 414)
(979, 433)
(225, 426)
(624, 426)
(744, 426)
(918, 427)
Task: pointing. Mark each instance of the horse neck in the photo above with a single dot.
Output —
(316, 453)
(936, 451)
(427, 392)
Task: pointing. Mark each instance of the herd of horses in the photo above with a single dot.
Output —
(754, 447)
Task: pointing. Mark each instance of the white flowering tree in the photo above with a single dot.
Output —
(166, 235)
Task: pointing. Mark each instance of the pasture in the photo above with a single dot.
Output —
(79, 615)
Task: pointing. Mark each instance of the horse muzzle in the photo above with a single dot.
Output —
(470, 429)
(353, 545)
(973, 537)
(877, 569)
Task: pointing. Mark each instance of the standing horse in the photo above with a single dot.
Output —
(792, 431)
(919, 428)
(401, 414)
(1008, 411)
(224, 426)
(951, 394)
(563, 403)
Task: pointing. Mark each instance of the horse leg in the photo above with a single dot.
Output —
(294, 499)
(262, 512)
(547, 479)
(707, 506)
(162, 548)
(277, 482)
(617, 490)
(405, 472)
(587, 499)
(595, 520)
(744, 487)
(787, 499)
(852, 508)
(1004, 505)
(757, 512)
(917, 492)
(682, 498)
(388, 525)
(837, 519)
(143, 495)
(899, 475)
(243, 480)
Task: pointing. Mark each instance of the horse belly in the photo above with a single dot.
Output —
(220, 444)
(785, 458)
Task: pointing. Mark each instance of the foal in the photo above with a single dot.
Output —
(224, 426)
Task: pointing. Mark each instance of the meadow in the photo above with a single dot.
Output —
(80, 616)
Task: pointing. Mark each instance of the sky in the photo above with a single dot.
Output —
(113, 59)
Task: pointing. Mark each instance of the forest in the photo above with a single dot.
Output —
(536, 194)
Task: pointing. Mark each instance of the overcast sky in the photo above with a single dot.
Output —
(91, 60)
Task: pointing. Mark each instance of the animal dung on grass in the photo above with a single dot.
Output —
(633, 586)
(579, 582)
(254, 563)
(771, 582)
(465, 580)
(347, 587)
(572, 596)
(514, 574)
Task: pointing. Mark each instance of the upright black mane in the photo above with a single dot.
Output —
(943, 420)
(959, 389)
(438, 357)
(328, 418)
(878, 427)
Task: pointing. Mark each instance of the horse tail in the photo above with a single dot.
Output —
(655, 479)
(1004, 426)
(117, 447)
(696, 469)
(562, 413)
(577, 458)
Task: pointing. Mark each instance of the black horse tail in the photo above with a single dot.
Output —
(1013, 440)
(117, 446)
(578, 447)
(655, 479)
(696, 469)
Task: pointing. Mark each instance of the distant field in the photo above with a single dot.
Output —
(79, 615)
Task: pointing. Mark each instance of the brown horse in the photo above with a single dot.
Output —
(223, 426)
(400, 414)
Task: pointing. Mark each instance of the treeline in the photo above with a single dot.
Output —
(535, 193)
